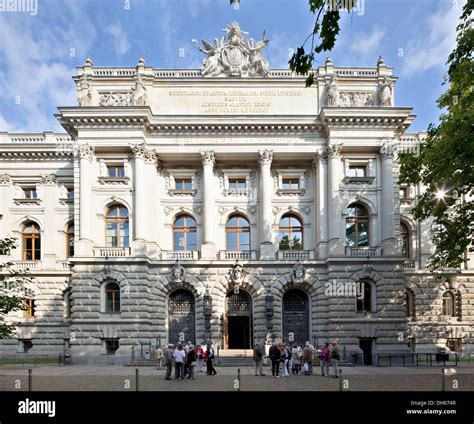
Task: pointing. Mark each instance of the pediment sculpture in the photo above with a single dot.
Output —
(178, 273)
(234, 55)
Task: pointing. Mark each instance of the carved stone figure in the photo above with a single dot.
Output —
(298, 273)
(234, 55)
(385, 93)
(332, 94)
(84, 93)
(139, 95)
(237, 273)
(5, 179)
(178, 273)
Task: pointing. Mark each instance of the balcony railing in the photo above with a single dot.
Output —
(24, 265)
(112, 252)
(363, 251)
(240, 254)
(188, 255)
(410, 265)
(294, 255)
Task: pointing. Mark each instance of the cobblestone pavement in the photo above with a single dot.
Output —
(119, 378)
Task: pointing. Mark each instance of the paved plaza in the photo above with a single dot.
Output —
(120, 378)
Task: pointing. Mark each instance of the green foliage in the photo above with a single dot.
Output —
(12, 288)
(323, 38)
(445, 163)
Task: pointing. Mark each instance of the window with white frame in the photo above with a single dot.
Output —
(359, 170)
(181, 182)
(292, 182)
(236, 181)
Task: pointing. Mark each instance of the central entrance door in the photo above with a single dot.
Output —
(296, 316)
(238, 321)
(181, 317)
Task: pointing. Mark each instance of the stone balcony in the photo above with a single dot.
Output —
(363, 252)
(182, 255)
(112, 252)
(295, 255)
(41, 265)
(234, 255)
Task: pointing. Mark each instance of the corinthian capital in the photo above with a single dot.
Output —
(84, 151)
(388, 150)
(265, 157)
(334, 150)
(320, 156)
(5, 179)
(141, 152)
(208, 158)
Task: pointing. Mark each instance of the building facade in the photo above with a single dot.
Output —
(229, 204)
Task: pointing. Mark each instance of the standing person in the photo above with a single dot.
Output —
(295, 359)
(209, 358)
(289, 349)
(258, 358)
(179, 357)
(308, 359)
(325, 353)
(169, 355)
(275, 356)
(191, 362)
(198, 351)
(284, 361)
(159, 357)
(335, 356)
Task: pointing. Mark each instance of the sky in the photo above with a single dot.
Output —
(39, 52)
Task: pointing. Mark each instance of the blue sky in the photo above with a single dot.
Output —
(38, 54)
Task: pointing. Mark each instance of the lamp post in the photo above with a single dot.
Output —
(207, 301)
(269, 311)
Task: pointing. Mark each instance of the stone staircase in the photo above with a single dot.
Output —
(235, 358)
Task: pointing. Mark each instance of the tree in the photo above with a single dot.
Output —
(12, 288)
(325, 31)
(444, 166)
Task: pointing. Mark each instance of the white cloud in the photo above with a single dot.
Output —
(367, 43)
(119, 37)
(36, 67)
(436, 38)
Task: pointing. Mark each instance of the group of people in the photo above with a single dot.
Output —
(291, 356)
(185, 359)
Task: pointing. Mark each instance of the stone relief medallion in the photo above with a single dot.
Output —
(178, 273)
(236, 273)
(298, 273)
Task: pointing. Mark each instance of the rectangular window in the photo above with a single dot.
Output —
(183, 183)
(357, 171)
(237, 184)
(290, 184)
(30, 193)
(111, 346)
(403, 192)
(116, 171)
(29, 311)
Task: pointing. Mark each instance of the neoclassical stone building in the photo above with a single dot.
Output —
(229, 203)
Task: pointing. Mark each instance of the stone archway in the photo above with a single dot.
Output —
(181, 317)
(238, 320)
(296, 316)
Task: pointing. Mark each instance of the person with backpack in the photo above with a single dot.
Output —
(275, 356)
(325, 352)
(209, 358)
(335, 357)
(258, 358)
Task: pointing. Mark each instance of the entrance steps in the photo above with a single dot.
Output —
(235, 358)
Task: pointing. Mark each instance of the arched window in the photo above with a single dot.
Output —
(410, 303)
(117, 226)
(448, 304)
(237, 231)
(31, 242)
(184, 233)
(291, 233)
(112, 298)
(405, 240)
(364, 297)
(70, 240)
(357, 226)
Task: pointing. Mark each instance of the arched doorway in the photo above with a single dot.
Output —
(238, 320)
(296, 316)
(181, 317)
